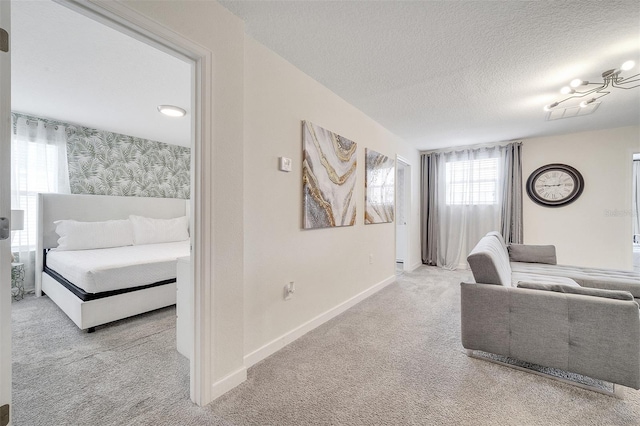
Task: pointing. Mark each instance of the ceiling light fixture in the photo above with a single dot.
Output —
(172, 110)
(612, 79)
(583, 104)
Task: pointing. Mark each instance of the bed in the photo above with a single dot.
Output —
(97, 284)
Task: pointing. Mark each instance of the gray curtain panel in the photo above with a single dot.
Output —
(511, 218)
(429, 211)
(510, 209)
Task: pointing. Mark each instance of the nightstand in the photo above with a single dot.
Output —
(17, 281)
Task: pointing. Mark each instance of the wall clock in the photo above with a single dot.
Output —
(555, 185)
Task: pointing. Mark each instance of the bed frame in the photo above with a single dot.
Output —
(89, 208)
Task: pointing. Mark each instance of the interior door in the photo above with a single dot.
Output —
(401, 211)
(5, 213)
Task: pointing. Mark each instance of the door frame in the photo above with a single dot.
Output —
(130, 22)
(406, 265)
(5, 211)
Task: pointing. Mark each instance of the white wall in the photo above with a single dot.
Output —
(328, 266)
(586, 232)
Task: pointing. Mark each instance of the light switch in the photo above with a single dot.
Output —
(285, 164)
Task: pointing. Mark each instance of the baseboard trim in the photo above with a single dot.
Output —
(414, 266)
(282, 341)
(227, 383)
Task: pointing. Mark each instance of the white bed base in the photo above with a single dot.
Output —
(89, 314)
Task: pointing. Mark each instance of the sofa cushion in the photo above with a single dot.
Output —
(562, 288)
(489, 262)
(533, 254)
(609, 279)
(517, 278)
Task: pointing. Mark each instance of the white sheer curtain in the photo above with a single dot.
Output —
(38, 164)
(470, 188)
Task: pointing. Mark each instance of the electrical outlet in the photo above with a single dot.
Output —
(370, 259)
(289, 289)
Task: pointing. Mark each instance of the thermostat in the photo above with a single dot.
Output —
(285, 164)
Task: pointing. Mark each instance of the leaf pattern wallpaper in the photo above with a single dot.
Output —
(106, 163)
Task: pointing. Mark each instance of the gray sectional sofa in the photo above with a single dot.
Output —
(525, 306)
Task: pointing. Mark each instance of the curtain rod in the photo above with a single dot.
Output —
(464, 147)
(30, 121)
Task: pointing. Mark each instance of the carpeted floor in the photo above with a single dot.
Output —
(393, 359)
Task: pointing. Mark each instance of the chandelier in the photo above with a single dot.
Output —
(579, 89)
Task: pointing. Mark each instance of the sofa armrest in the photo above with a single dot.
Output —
(593, 336)
(532, 253)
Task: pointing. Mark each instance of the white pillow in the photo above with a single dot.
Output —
(147, 230)
(76, 235)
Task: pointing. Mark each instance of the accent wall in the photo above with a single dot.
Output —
(107, 163)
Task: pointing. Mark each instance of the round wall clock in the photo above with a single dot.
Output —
(555, 185)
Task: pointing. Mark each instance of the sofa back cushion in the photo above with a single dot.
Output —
(585, 291)
(489, 262)
(503, 244)
(532, 254)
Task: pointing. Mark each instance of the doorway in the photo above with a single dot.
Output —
(635, 211)
(403, 209)
(194, 142)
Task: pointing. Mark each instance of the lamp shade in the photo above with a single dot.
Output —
(17, 220)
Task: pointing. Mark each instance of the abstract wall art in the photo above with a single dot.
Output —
(328, 177)
(380, 187)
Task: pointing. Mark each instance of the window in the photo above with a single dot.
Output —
(472, 182)
(38, 164)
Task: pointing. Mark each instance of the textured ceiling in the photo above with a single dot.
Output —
(68, 67)
(444, 73)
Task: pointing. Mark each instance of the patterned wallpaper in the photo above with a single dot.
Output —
(106, 163)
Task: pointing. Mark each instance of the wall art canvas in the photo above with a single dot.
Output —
(329, 177)
(380, 173)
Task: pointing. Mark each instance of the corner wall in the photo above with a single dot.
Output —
(595, 230)
(329, 266)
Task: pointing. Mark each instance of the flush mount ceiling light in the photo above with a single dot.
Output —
(172, 110)
(578, 89)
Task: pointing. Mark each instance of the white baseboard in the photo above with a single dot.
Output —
(227, 383)
(414, 266)
(282, 341)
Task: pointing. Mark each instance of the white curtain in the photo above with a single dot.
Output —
(469, 201)
(38, 164)
(635, 214)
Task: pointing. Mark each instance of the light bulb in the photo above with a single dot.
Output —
(585, 103)
(566, 90)
(171, 110)
(575, 83)
(627, 65)
(549, 107)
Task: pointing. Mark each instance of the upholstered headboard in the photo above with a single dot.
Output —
(95, 208)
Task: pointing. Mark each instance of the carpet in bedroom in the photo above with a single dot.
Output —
(393, 359)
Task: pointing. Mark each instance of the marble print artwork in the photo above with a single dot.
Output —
(380, 188)
(329, 178)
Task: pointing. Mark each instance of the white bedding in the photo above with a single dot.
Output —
(100, 270)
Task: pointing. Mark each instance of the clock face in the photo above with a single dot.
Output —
(555, 185)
